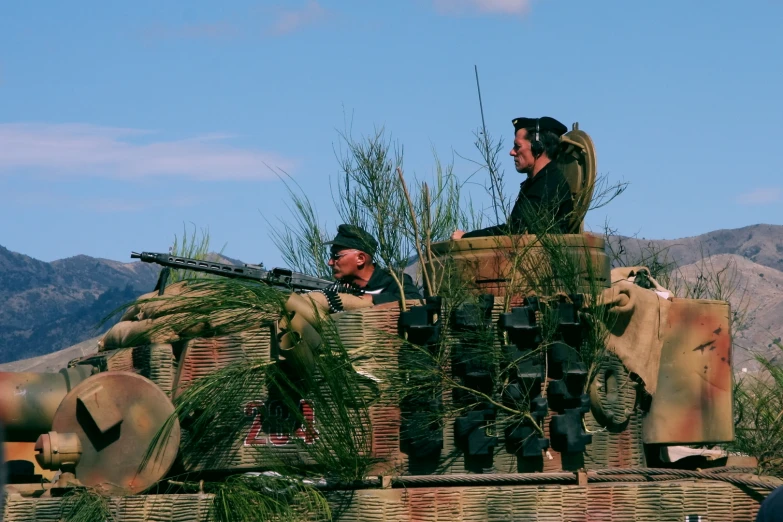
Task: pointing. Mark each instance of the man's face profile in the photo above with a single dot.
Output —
(345, 262)
(523, 157)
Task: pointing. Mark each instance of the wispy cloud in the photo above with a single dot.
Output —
(452, 7)
(110, 152)
(761, 196)
(272, 21)
(287, 21)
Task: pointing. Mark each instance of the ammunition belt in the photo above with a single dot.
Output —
(332, 293)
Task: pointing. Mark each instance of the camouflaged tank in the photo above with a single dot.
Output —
(606, 451)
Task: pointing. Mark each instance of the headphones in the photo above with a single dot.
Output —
(536, 147)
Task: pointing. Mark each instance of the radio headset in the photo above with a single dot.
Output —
(536, 147)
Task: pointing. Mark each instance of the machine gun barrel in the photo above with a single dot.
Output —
(276, 277)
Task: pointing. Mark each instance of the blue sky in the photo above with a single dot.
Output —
(121, 123)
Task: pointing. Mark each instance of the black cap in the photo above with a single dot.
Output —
(352, 236)
(544, 124)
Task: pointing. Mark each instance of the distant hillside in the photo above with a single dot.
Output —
(45, 307)
(762, 244)
(53, 362)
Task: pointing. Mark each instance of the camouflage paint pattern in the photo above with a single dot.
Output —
(115, 415)
(28, 401)
(693, 403)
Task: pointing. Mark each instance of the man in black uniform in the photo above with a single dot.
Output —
(545, 203)
(359, 284)
(351, 260)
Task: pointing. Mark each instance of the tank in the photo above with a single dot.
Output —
(500, 404)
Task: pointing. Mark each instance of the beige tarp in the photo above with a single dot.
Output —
(637, 319)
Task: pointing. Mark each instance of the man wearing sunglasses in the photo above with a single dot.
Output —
(359, 283)
(352, 257)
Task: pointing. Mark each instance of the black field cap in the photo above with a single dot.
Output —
(351, 236)
(544, 124)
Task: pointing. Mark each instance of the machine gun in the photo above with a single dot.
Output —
(280, 277)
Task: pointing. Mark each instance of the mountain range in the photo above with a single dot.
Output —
(47, 307)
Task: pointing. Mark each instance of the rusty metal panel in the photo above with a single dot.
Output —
(693, 400)
(100, 407)
(128, 411)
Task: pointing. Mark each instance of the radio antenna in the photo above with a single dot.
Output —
(485, 147)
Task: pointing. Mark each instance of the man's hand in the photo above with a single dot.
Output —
(458, 234)
(366, 297)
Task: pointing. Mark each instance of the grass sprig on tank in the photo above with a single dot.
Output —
(85, 505)
(211, 407)
(192, 248)
(259, 497)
